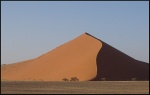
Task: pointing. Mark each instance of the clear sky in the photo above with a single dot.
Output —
(32, 28)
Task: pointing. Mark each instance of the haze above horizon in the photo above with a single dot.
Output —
(32, 28)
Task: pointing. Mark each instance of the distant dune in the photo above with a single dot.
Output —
(84, 57)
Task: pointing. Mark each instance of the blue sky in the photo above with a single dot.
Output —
(32, 28)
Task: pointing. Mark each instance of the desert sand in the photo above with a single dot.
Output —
(84, 57)
(76, 58)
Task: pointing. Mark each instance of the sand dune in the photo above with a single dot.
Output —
(84, 57)
(76, 58)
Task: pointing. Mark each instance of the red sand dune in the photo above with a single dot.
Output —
(84, 57)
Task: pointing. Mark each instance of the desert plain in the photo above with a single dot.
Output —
(86, 87)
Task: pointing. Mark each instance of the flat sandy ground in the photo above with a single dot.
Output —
(90, 87)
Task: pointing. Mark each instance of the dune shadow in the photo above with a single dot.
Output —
(114, 65)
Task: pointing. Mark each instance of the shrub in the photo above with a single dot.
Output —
(74, 79)
(134, 79)
(103, 79)
(65, 79)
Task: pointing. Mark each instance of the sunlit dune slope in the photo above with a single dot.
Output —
(76, 58)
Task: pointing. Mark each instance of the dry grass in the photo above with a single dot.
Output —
(90, 87)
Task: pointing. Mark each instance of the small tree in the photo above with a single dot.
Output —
(134, 79)
(103, 79)
(74, 79)
(65, 79)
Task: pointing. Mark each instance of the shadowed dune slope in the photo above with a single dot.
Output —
(114, 65)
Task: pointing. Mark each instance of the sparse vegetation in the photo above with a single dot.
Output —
(65, 79)
(72, 79)
(134, 79)
(103, 79)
